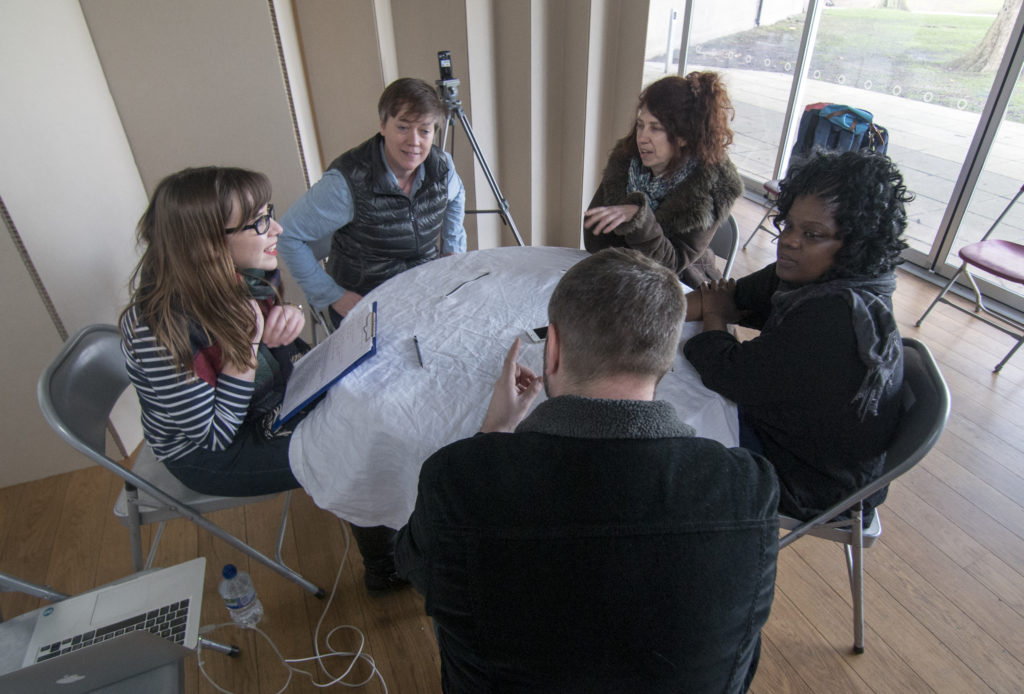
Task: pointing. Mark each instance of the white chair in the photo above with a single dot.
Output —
(76, 394)
(725, 243)
(924, 411)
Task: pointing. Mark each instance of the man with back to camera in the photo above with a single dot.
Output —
(384, 204)
(596, 545)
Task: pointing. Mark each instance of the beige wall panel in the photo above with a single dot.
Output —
(198, 83)
(291, 50)
(513, 47)
(421, 29)
(603, 58)
(573, 129)
(483, 54)
(73, 194)
(621, 76)
(68, 178)
(31, 450)
(343, 70)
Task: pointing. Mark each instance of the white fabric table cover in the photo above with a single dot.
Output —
(359, 452)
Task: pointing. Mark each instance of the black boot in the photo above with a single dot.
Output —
(377, 545)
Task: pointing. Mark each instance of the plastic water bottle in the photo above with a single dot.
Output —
(240, 597)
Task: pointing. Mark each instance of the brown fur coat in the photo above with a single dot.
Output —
(678, 233)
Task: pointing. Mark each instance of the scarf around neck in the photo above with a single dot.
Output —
(878, 341)
(262, 284)
(655, 188)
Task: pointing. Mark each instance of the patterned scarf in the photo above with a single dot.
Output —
(263, 286)
(655, 188)
(878, 341)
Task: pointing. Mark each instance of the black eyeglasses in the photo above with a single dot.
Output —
(260, 226)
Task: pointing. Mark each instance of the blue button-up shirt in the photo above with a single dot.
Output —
(328, 206)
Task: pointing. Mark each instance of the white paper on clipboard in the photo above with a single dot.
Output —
(350, 345)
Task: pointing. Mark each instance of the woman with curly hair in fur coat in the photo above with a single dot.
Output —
(669, 183)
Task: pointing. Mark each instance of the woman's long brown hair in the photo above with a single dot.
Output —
(186, 272)
(695, 108)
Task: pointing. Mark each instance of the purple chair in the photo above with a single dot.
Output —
(1001, 258)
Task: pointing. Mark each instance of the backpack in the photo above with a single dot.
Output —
(837, 128)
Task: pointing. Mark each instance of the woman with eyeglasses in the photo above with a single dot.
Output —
(208, 341)
(818, 389)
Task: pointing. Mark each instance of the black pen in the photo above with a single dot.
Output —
(461, 284)
(419, 355)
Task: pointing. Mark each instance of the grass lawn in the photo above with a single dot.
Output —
(903, 53)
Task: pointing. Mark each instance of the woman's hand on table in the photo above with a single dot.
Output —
(514, 392)
(282, 325)
(604, 220)
(718, 304)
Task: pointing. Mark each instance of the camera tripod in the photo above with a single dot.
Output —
(448, 90)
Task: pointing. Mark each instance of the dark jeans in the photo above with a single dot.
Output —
(336, 319)
(377, 545)
(250, 466)
(748, 437)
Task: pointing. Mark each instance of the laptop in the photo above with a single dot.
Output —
(113, 633)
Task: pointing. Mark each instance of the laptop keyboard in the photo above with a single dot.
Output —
(168, 622)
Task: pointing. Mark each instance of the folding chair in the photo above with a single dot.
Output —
(1003, 259)
(925, 408)
(10, 584)
(726, 242)
(771, 196)
(76, 394)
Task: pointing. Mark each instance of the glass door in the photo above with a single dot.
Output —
(992, 184)
(758, 65)
(915, 72)
(942, 77)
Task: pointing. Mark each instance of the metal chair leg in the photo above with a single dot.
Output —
(759, 227)
(1009, 354)
(155, 543)
(857, 579)
(941, 294)
(134, 524)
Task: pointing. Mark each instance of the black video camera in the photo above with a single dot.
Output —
(444, 61)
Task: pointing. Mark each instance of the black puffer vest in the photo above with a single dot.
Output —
(389, 232)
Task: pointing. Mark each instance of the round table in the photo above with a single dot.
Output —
(359, 452)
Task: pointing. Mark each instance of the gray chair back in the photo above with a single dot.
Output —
(79, 388)
(925, 410)
(725, 243)
(77, 392)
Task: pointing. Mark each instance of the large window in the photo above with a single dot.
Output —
(758, 65)
(930, 74)
(999, 180)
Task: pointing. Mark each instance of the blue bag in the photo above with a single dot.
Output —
(854, 120)
(837, 128)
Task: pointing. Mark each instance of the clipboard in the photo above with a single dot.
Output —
(330, 361)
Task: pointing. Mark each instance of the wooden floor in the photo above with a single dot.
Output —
(944, 585)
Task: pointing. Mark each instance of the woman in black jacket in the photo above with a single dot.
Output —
(817, 390)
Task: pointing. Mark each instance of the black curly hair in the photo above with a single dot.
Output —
(867, 196)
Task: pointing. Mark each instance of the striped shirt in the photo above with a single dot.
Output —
(181, 412)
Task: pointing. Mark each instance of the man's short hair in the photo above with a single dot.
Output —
(618, 312)
(412, 96)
